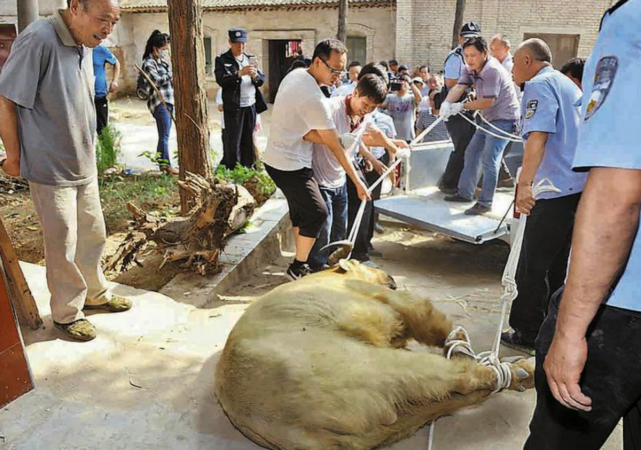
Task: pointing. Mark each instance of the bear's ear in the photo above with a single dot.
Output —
(345, 264)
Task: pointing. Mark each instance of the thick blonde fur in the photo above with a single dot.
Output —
(320, 364)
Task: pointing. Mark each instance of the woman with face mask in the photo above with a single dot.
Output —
(156, 65)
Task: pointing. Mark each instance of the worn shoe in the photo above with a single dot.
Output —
(458, 199)
(378, 228)
(515, 340)
(114, 305)
(375, 253)
(477, 210)
(79, 330)
(506, 183)
(447, 189)
(298, 271)
(171, 171)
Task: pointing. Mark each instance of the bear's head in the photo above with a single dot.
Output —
(355, 270)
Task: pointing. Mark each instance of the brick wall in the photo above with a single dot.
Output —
(427, 37)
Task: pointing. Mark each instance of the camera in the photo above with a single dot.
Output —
(396, 82)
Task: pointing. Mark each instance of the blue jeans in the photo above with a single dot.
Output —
(335, 226)
(163, 123)
(484, 152)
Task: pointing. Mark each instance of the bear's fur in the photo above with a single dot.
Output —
(320, 364)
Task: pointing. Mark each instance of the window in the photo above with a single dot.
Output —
(563, 46)
(209, 63)
(357, 49)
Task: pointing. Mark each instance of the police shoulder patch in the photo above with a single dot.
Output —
(530, 108)
(606, 70)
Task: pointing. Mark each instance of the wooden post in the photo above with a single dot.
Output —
(23, 301)
(188, 61)
(458, 21)
(342, 21)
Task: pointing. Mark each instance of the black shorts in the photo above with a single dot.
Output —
(307, 209)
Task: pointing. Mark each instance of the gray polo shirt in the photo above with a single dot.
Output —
(51, 81)
(493, 81)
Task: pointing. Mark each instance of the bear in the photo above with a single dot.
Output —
(322, 363)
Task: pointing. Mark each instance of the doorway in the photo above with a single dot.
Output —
(282, 53)
(7, 36)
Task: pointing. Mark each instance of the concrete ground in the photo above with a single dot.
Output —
(146, 382)
(139, 134)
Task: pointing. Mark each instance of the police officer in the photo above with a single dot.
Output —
(239, 78)
(551, 118)
(588, 365)
(460, 130)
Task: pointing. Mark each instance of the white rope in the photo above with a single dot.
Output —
(351, 239)
(510, 135)
(479, 127)
(510, 292)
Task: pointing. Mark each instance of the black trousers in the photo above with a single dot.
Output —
(239, 137)
(371, 178)
(610, 378)
(307, 207)
(461, 132)
(543, 261)
(102, 113)
(361, 250)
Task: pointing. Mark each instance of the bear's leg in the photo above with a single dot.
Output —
(422, 320)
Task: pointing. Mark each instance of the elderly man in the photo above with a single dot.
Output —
(550, 126)
(497, 101)
(238, 76)
(500, 49)
(48, 125)
(589, 344)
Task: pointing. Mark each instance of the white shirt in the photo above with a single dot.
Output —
(327, 170)
(219, 101)
(344, 89)
(299, 108)
(247, 88)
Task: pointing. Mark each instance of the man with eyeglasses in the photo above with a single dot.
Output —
(300, 112)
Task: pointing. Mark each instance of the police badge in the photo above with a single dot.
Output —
(530, 108)
(604, 74)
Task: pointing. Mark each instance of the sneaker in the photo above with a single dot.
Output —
(79, 330)
(515, 340)
(114, 305)
(458, 199)
(477, 210)
(296, 272)
(506, 183)
(374, 253)
(378, 228)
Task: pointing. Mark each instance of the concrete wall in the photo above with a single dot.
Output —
(427, 38)
(8, 9)
(311, 26)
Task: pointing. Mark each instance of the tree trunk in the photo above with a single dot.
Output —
(27, 12)
(458, 21)
(219, 210)
(342, 21)
(188, 61)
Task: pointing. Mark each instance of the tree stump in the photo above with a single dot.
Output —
(198, 238)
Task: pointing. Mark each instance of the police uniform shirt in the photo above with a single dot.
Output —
(551, 105)
(454, 64)
(609, 132)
